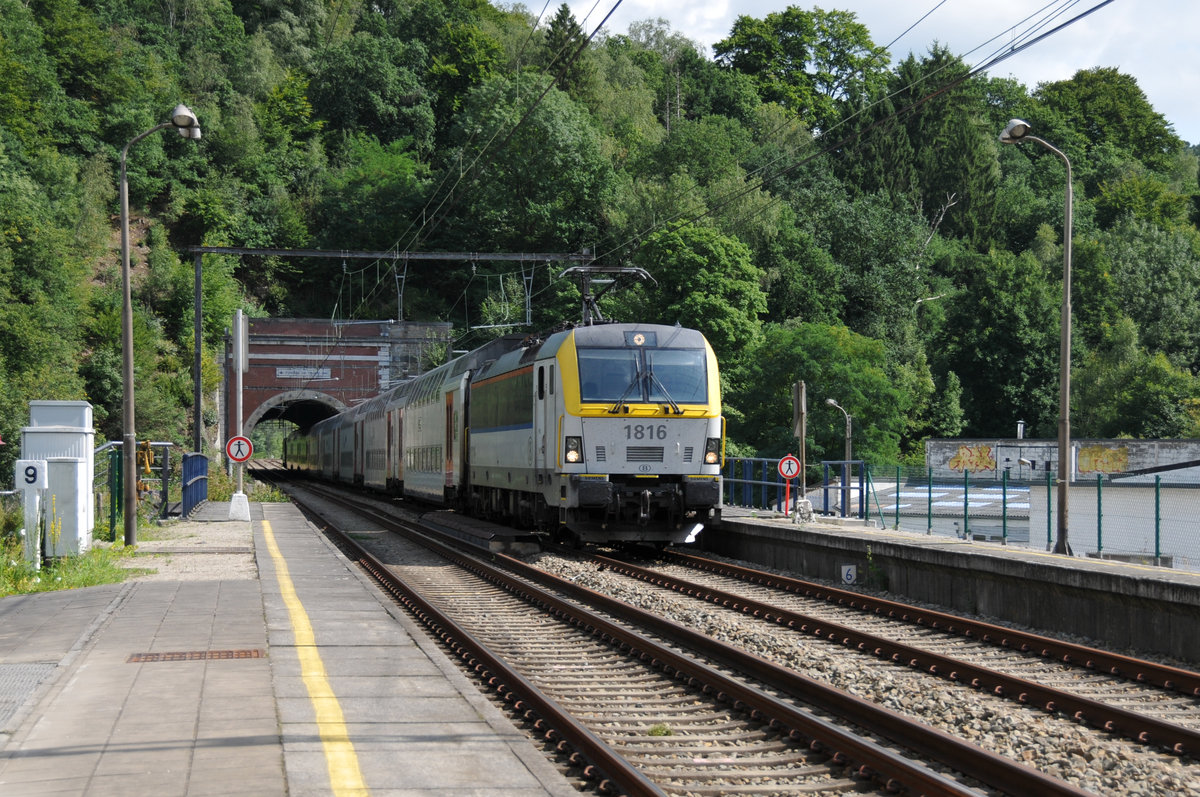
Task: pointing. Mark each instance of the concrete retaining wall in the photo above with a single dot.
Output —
(1145, 609)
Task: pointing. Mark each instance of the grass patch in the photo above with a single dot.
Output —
(97, 566)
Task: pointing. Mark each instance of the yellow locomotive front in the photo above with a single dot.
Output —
(640, 434)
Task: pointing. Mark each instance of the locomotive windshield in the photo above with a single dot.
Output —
(643, 375)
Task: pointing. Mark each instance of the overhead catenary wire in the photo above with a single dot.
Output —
(476, 169)
(1023, 40)
(924, 16)
(999, 55)
(424, 215)
(433, 215)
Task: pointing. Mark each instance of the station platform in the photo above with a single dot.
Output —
(1141, 608)
(258, 662)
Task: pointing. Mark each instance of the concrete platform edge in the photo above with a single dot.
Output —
(1126, 606)
(521, 745)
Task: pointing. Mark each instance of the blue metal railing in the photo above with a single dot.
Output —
(845, 492)
(195, 481)
(755, 482)
(108, 488)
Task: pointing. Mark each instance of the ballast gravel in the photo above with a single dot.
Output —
(1056, 745)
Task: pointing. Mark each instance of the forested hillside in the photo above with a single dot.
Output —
(818, 213)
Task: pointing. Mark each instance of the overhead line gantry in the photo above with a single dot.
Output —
(198, 252)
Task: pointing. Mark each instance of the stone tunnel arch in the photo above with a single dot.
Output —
(301, 407)
(303, 370)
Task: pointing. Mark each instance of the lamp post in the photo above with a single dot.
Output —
(1016, 132)
(188, 126)
(833, 403)
(846, 468)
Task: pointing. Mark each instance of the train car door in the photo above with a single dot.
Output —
(450, 439)
(545, 447)
(398, 456)
(359, 454)
(389, 451)
(337, 453)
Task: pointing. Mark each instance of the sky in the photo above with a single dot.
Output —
(1157, 42)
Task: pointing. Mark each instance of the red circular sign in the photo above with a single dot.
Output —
(789, 467)
(239, 448)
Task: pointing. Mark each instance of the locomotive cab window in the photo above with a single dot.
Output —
(676, 375)
(643, 375)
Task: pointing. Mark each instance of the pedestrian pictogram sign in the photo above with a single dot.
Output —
(789, 467)
(239, 448)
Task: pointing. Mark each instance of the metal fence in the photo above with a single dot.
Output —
(157, 478)
(755, 482)
(107, 484)
(1147, 518)
(195, 481)
(1144, 518)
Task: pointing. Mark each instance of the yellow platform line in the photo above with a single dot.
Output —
(345, 777)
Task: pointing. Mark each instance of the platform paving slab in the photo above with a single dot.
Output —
(418, 725)
(186, 680)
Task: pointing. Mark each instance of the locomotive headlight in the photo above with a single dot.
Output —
(573, 449)
(712, 451)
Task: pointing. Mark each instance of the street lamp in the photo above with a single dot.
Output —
(183, 120)
(833, 403)
(1016, 132)
(847, 467)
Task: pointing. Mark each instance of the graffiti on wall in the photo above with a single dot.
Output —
(973, 458)
(1101, 459)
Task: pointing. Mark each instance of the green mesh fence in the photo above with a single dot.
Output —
(1144, 518)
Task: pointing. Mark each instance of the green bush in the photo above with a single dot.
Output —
(221, 487)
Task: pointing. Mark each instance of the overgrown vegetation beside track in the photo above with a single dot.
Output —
(100, 565)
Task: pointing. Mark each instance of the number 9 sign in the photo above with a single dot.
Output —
(31, 474)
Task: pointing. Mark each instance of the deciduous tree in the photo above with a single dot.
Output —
(808, 61)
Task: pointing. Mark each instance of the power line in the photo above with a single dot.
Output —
(475, 170)
(997, 57)
(888, 46)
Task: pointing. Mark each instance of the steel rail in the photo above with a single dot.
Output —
(1132, 725)
(1148, 672)
(1007, 776)
(995, 770)
(611, 772)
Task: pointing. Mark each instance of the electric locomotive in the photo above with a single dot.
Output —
(602, 433)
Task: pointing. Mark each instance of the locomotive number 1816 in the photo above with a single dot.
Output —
(645, 431)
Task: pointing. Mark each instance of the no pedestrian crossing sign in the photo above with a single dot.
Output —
(239, 448)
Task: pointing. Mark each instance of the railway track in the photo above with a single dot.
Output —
(1017, 697)
(644, 706)
(1147, 702)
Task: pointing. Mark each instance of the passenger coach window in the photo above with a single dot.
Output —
(541, 382)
